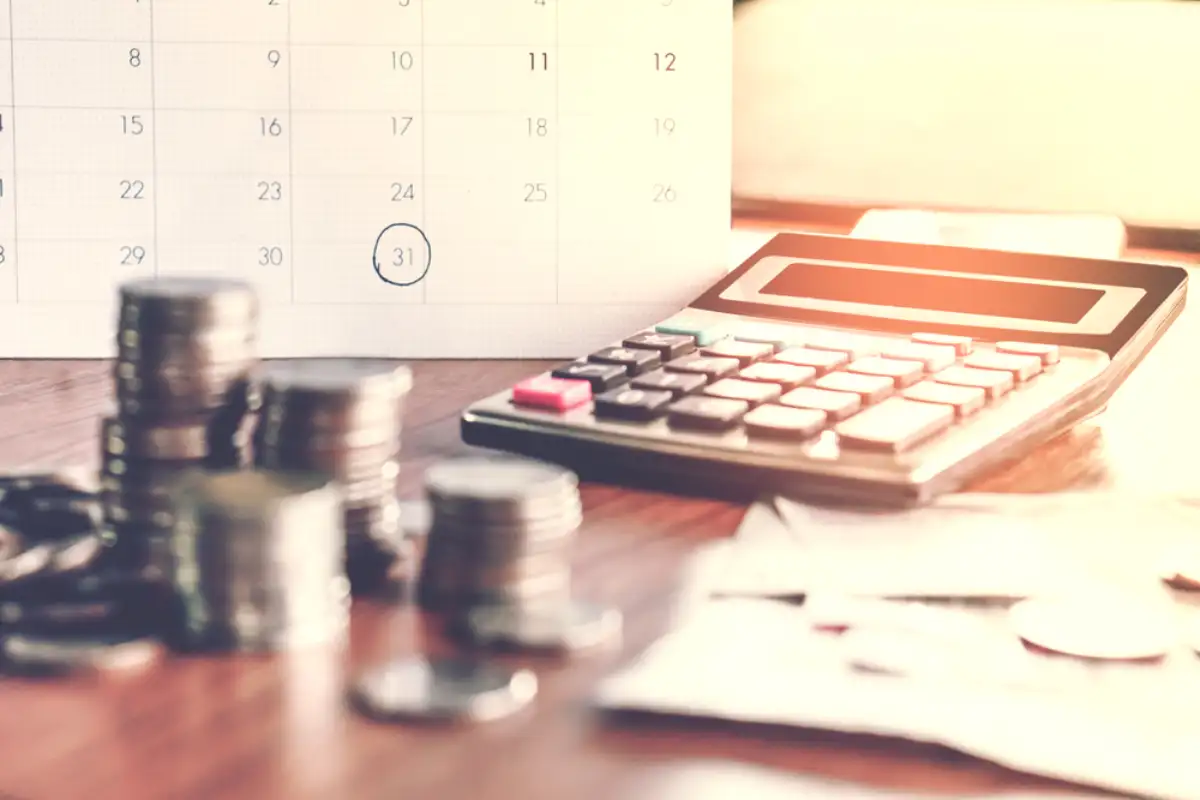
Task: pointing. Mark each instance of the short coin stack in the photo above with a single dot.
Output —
(257, 562)
(185, 394)
(497, 558)
(343, 418)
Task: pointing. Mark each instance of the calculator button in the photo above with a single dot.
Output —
(744, 352)
(871, 388)
(902, 373)
(677, 383)
(838, 405)
(703, 334)
(963, 345)
(783, 422)
(779, 335)
(602, 377)
(994, 382)
(933, 356)
(820, 360)
(707, 413)
(895, 424)
(632, 404)
(752, 392)
(551, 393)
(1022, 367)
(1048, 353)
(789, 376)
(711, 367)
(965, 400)
(852, 345)
(634, 361)
(668, 345)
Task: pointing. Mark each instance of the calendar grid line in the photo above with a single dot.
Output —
(291, 186)
(154, 147)
(424, 169)
(16, 244)
(557, 157)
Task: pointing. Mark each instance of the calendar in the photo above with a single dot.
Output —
(398, 178)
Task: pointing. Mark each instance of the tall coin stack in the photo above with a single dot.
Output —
(185, 396)
(257, 562)
(343, 418)
(500, 535)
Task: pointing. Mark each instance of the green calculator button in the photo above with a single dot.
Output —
(703, 333)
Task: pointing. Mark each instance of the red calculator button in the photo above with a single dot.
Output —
(558, 394)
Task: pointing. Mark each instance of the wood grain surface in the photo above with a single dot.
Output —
(278, 727)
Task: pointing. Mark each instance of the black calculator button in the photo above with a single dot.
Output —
(788, 376)
(965, 400)
(744, 352)
(821, 360)
(633, 360)
(752, 392)
(668, 345)
(895, 425)
(1048, 353)
(632, 404)
(962, 344)
(1022, 368)
(711, 367)
(602, 377)
(838, 405)
(902, 373)
(782, 422)
(933, 356)
(707, 413)
(871, 388)
(677, 383)
(994, 382)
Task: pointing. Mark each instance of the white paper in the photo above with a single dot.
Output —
(434, 178)
(758, 661)
(964, 546)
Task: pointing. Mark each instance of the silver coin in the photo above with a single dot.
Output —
(339, 376)
(103, 653)
(566, 627)
(483, 480)
(446, 690)
(186, 303)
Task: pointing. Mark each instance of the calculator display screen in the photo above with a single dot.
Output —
(983, 296)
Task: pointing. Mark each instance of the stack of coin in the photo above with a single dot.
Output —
(257, 562)
(185, 396)
(497, 557)
(343, 418)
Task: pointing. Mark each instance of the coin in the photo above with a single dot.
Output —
(497, 484)
(99, 653)
(185, 304)
(568, 627)
(337, 377)
(1109, 629)
(257, 560)
(442, 690)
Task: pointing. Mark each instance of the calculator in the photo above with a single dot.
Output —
(848, 369)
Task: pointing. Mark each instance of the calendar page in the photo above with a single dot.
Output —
(403, 178)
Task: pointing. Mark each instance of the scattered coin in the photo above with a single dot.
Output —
(1095, 628)
(27, 653)
(559, 627)
(442, 690)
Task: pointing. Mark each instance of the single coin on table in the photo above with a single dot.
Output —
(560, 627)
(1109, 629)
(100, 653)
(442, 690)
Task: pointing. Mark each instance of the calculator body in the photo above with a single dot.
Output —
(962, 359)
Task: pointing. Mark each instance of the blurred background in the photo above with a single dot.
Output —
(1085, 106)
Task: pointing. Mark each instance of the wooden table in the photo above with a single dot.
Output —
(268, 728)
